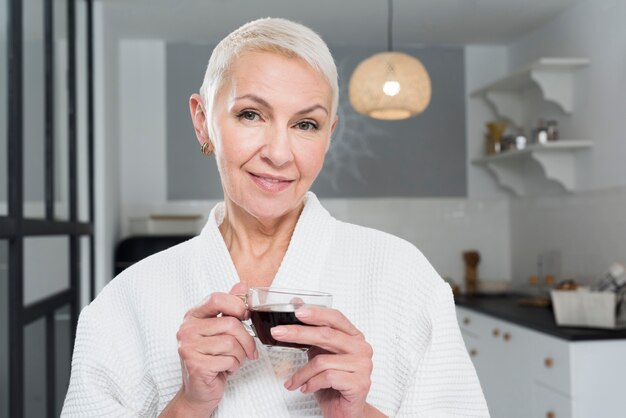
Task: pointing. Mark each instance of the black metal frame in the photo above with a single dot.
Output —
(49, 100)
(90, 141)
(14, 227)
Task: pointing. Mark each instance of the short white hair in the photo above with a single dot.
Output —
(276, 35)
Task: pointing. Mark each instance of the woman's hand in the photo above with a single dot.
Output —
(212, 345)
(340, 361)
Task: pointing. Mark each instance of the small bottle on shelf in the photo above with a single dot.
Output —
(541, 133)
(520, 140)
(552, 130)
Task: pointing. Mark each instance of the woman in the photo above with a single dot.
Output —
(153, 343)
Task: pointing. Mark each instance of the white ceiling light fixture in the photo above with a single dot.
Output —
(390, 85)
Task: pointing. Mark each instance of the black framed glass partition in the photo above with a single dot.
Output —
(4, 328)
(46, 244)
(3, 109)
(33, 128)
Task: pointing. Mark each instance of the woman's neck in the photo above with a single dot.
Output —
(256, 246)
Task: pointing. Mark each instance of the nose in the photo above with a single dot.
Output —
(277, 149)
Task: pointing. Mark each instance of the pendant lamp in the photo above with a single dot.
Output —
(390, 85)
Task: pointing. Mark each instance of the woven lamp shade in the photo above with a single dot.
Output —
(390, 85)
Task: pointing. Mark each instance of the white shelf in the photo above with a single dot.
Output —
(553, 76)
(557, 160)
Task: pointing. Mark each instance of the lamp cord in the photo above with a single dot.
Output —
(389, 25)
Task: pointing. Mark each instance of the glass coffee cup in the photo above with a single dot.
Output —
(270, 307)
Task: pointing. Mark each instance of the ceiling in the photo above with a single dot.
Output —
(340, 22)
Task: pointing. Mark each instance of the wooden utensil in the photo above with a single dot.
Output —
(471, 258)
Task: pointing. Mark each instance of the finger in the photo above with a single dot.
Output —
(351, 385)
(324, 337)
(219, 303)
(221, 345)
(241, 290)
(225, 326)
(320, 316)
(318, 364)
(200, 365)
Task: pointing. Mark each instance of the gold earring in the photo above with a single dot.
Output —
(204, 148)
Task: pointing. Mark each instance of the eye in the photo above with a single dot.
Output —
(306, 125)
(249, 115)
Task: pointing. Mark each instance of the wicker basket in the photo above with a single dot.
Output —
(584, 308)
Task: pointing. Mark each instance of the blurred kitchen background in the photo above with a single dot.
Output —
(100, 167)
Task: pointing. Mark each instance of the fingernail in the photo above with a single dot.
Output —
(303, 313)
(303, 388)
(278, 331)
(255, 355)
(288, 383)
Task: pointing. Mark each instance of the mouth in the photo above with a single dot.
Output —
(271, 183)
(270, 178)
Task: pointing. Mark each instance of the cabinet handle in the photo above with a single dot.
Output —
(506, 336)
(548, 362)
(466, 321)
(550, 414)
(495, 332)
(473, 352)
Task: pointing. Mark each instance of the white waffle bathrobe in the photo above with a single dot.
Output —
(126, 363)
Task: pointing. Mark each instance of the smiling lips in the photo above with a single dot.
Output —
(270, 183)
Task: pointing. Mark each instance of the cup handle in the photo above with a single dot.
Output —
(250, 329)
(248, 326)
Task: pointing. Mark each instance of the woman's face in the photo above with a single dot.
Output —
(272, 126)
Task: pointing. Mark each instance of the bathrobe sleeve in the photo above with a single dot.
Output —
(445, 383)
(108, 376)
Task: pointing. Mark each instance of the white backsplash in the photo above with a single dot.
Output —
(441, 228)
(587, 230)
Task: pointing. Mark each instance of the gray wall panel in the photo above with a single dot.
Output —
(190, 174)
(418, 157)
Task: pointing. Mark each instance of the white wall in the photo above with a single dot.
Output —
(593, 29)
(587, 228)
(107, 153)
(130, 168)
(441, 228)
(483, 64)
(143, 167)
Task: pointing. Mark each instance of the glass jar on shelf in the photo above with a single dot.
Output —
(552, 130)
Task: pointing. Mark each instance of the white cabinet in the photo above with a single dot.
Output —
(525, 373)
(550, 363)
(547, 403)
(499, 351)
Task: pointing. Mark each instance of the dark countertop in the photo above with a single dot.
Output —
(536, 318)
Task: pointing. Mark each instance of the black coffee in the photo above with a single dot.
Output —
(265, 317)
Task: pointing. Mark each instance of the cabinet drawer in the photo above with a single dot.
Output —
(472, 322)
(472, 344)
(550, 404)
(551, 363)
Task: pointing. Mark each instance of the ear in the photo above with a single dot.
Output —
(332, 130)
(198, 117)
(334, 125)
